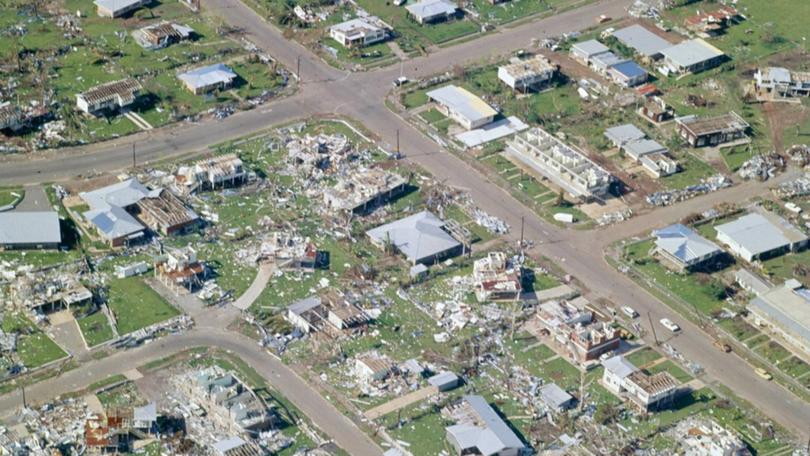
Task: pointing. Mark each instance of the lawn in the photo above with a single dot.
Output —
(794, 367)
(10, 195)
(736, 156)
(34, 347)
(738, 328)
(136, 305)
(781, 268)
(424, 432)
(692, 170)
(643, 357)
(510, 11)
(669, 366)
(772, 351)
(527, 349)
(95, 328)
(558, 371)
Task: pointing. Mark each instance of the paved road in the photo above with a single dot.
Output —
(325, 90)
(282, 378)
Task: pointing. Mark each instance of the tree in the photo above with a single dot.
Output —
(606, 413)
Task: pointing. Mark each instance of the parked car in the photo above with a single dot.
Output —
(670, 325)
(629, 311)
(400, 81)
(763, 373)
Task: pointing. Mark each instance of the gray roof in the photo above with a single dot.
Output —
(304, 305)
(778, 75)
(683, 243)
(637, 149)
(443, 378)
(430, 8)
(619, 366)
(554, 396)
(107, 208)
(115, 5)
(691, 52)
(607, 60)
(146, 413)
(590, 47)
(623, 134)
(492, 437)
(29, 228)
(788, 306)
(462, 101)
(757, 234)
(418, 237)
(228, 444)
(641, 40)
(208, 75)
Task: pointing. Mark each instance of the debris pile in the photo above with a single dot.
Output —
(799, 155)
(614, 217)
(794, 188)
(762, 167)
(490, 222)
(707, 185)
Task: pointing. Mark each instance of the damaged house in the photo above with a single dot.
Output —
(180, 269)
(363, 189)
(480, 430)
(109, 97)
(161, 35)
(331, 314)
(778, 81)
(11, 118)
(292, 252)
(373, 367)
(421, 237)
(712, 131)
(49, 292)
(121, 213)
(647, 392)
(228, 401)
(210, 173)
(495, 279)
(529, 74)
(574, 327)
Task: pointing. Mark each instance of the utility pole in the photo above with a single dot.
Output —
(133, 155)
(22, 389)
(398, 154)
(298, 68)
(522, 222)
(652, 327)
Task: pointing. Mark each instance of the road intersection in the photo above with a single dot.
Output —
(360, 96)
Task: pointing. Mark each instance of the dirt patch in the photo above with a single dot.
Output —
(781, 116)
(86, 185)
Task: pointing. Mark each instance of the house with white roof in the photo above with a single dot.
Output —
(421, 237)
(785, 310)
(528, 74)
(760, 235)
(644, 42)
(462, 106)
(430, 11)
(118, 8)
(692, 56)
(29, 230)
(783, 82)
(358, 32)
(479, 430)
(585, 51)
(208, 78)
(683, 248)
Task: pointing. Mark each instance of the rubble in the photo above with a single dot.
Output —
(492, 224)
(707, 185)
(794, 188)
(799, 155)
(614, 217)
(762, 167)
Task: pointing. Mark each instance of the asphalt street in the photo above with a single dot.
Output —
(325, 90)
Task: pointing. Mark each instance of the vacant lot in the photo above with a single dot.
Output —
(136, 305)
(95, 328)
(34, 347)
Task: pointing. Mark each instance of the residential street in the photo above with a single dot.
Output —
(360, 96)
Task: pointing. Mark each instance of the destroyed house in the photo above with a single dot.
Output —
(711, 131)
(307, 314)
(342, 314)
(591, 341)
(495, 280)
(776, 80)
(421, 237)
(49, 293)
(103, 437)
(10, 117)
(210, 173)
(430, 11)
(358, 32)
(109, 97)
(158, 36)
(229, 401)
(331, 313)
(647, 392)
(208, 78)
(236, 446)
(364, 189)
(656, 110)
(683, 248)
(292, 252)
(373, 367)
(120, 213)
(29, 230)
(710, 23)
(180, 269)
(565, 166)
(118, 8)
(461, 105)
(480, 430)
(529, 74)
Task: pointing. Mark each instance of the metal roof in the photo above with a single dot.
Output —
(304, 305)
(147, 412)
(107, 208)
(788, 307)
(462, 101)
(208, 75)
(619, 366)
(554, 396)
(115, 5)
(691, 52)
(419, 236)
(590, 47)
(29, 228)
(758, 234)
(607, 60)
(629, 69)
(623, 134)
(637, 149)
(430, 8)
(443, 378)
(641, 40)
(683, 243)
(492, 436)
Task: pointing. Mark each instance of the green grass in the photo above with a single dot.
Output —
(415, 98)
(781, 268)
(34, 347)
(512, 10)
(424, 431)
(136, 305)
(95, 328)
(736, 156)
(519, 347)
(7, 197)
(738, 328)
(643, 357)
(111, 380)
(772, 351)
(692, 171)
(669, 366)
(432, 116)
(794, 367)
(558, 370)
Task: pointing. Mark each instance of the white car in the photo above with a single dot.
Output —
(629, 311)
(670, 325)
(400, 81)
